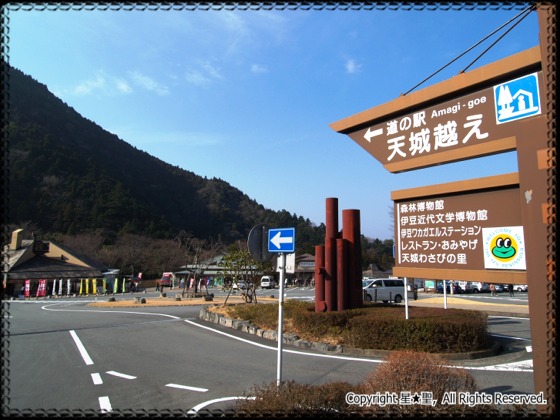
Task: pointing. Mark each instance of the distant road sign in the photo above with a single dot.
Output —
(282, 240)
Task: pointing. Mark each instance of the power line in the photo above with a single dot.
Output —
(524, 14)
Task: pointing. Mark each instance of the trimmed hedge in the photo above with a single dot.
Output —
(377, 326)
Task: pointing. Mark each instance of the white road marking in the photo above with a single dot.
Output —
(105, 405)
(46, 308)
(96, 377)
(275, 348)
(523, 366)
(120, 375)
(195, 409)
(81, 348)
(190, 388)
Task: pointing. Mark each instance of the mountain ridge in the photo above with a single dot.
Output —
(69, 175)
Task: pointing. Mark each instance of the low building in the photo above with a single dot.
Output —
(33, 267)
(304, 272)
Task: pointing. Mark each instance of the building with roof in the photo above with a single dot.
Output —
(35, 262)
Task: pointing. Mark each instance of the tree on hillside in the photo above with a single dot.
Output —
(188, 244)
(198, 254)
(238, 264)
(88, 244)
(163, 256)
(130, 249)
(208, 252)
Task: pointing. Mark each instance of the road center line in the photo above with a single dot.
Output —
(81, 348)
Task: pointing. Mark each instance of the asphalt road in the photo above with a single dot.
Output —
(63, 355)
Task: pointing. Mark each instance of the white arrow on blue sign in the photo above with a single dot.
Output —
(282, 240)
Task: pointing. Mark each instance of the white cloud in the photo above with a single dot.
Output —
(204, 73)
(259, 68)
(112, 86)
(148, 83)
(87, 87)
(123, 86)
(352, 67)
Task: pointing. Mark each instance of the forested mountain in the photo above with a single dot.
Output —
(68, 175)
(69, 178)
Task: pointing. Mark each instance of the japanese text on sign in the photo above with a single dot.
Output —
(447, 231)
(431, 235)
(443, 135)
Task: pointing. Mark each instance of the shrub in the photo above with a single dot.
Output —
(296, 399)
(426, 375)
(418, 372)
(403, 373)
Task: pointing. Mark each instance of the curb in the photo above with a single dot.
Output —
(294, 340)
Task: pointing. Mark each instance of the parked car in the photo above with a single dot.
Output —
(478, 287)
(466, 286)
(239, 285)
(268, 282)
(499, 288)
(456, 288)
(167, 279)
(521, 287)
(388, 290)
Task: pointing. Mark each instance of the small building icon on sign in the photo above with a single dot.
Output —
(517, 99)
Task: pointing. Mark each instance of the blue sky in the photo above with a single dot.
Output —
(247, 96)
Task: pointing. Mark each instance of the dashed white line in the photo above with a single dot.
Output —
(96, 377)
(190, 388)
(120, 375)
(81, 348)
(105, 405)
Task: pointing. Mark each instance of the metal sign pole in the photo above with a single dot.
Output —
(406, 297)
(280, 319)
(444, 294)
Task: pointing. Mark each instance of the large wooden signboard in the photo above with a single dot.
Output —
(471, 230)
(471, 116)
(504, 106)
(471, 125)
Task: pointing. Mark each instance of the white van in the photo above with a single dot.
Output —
(388, 290)
(268, 282)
